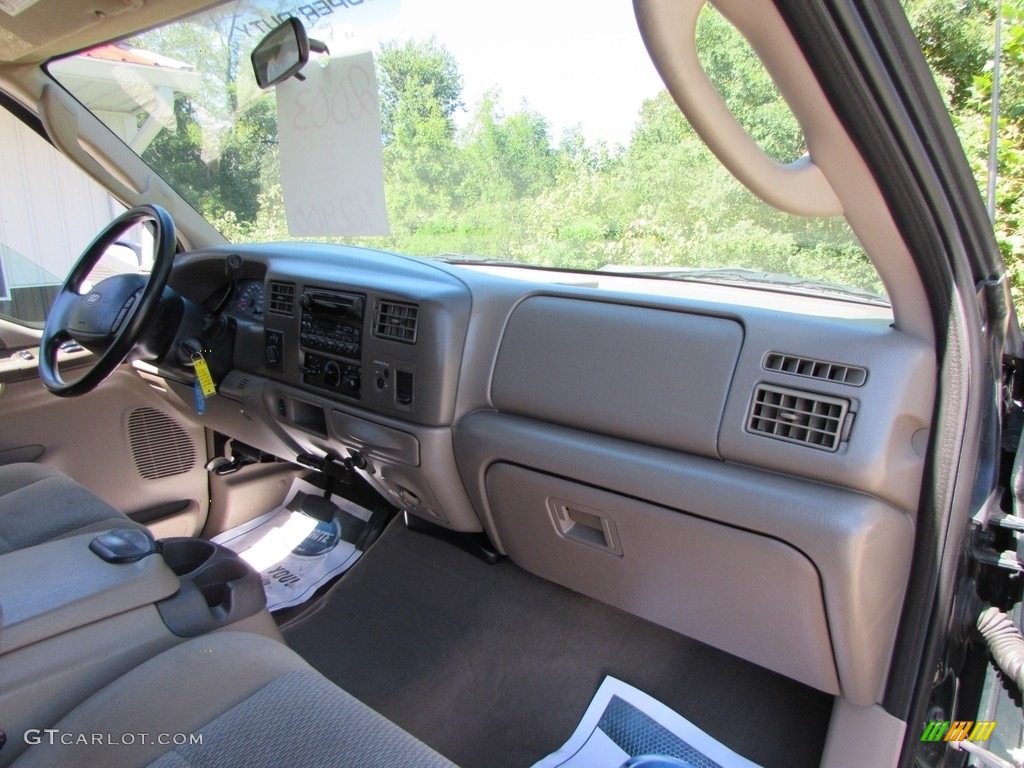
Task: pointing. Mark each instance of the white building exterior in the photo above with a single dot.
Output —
(50, 210)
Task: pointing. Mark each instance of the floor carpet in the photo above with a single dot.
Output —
(493, 667)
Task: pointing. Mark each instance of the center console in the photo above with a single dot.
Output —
(71, 621)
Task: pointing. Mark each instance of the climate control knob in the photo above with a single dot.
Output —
(332, 374)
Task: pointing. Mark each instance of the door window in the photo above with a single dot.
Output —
(50, 210)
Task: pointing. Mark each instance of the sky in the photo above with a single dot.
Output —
(573, 61)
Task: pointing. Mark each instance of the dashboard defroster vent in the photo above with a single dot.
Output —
(160, 445)
(815, 369)
(396, 321)
(800, 417)
(282, 298)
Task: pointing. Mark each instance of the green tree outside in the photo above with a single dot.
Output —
(504, 187)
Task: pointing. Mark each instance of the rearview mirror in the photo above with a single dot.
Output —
(283, 53)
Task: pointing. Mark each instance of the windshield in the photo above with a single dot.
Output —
(505, 135)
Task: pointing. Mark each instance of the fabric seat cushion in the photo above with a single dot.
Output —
(253, 701)
(39, 504)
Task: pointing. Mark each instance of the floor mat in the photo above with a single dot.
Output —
(300, 546)
(494, 667)
(625, 726)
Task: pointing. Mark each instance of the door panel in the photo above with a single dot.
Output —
(123, 441)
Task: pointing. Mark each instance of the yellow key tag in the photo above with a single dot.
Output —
(203, 375)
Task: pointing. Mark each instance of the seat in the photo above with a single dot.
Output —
(39, 504)
(251, 700)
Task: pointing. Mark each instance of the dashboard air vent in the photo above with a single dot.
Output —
(800, 417)
(282, 298)
(815, 369)
(396, 321)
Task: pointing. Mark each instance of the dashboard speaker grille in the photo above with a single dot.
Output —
(160, 446)
(815, 369)
(282, 298)
(800, 417)
(396, 321)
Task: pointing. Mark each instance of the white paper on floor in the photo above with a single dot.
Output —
(623, 723)
(294, 553)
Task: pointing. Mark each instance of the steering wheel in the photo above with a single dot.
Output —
(110, 319)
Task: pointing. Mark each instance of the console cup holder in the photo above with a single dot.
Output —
(214, 582)
(184, 556)
(217, 587)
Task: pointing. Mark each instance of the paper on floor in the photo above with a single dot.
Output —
(294, 553)
(623, 723)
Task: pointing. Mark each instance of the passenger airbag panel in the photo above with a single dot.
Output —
(650, 375)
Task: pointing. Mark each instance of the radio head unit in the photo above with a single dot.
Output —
(331, 336)
(332, 322)
(332, 303)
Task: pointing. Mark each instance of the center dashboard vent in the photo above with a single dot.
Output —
(282, 298)
(396, 321)
(800, 417)
(815, 369)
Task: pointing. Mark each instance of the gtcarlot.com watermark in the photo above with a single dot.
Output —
(54, 736)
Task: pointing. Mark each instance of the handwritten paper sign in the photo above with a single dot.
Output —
(332, 170)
